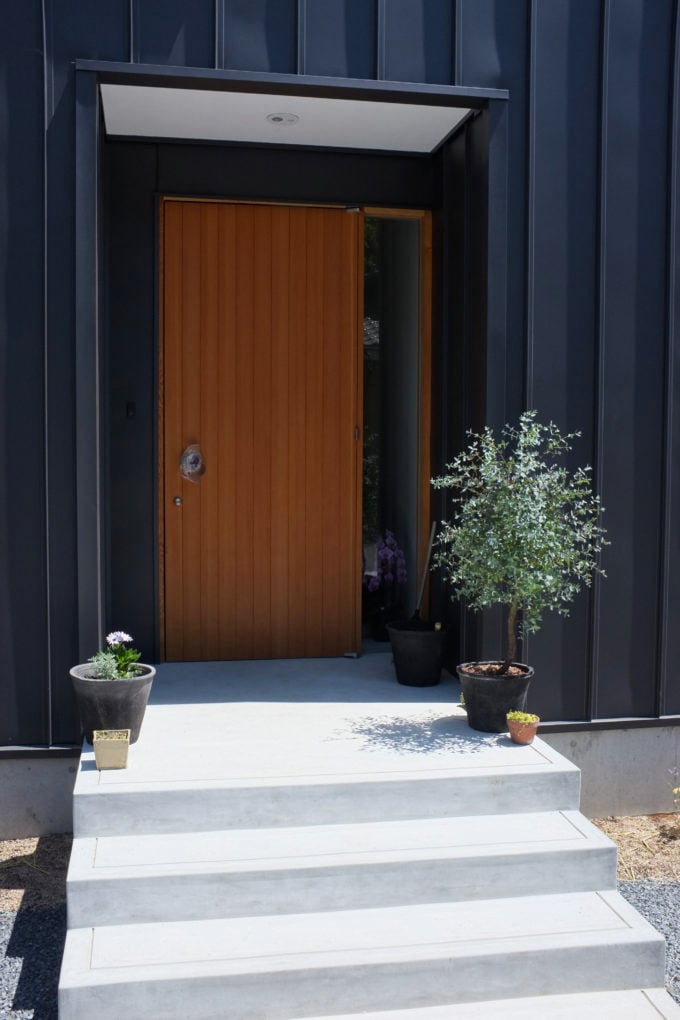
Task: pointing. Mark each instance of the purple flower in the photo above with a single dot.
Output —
(390, 563)
(117, 637)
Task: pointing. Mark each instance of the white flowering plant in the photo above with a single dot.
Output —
(118, 661)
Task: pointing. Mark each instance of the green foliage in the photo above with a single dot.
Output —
(525, 532)
(674, 773)
(118, 661)
(522, 717)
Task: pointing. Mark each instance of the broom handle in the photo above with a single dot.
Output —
(426, 567)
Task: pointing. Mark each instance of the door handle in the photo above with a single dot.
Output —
(191, 463)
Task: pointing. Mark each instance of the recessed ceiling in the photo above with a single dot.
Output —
(152, 112)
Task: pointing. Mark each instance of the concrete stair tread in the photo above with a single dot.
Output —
(636, 1004)
(105, 805)
(352, 962)
(237, 873)
(257, 945)
(114, 781)
(326, 845)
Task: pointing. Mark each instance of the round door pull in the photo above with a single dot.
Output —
(191, 463)
(177, 501)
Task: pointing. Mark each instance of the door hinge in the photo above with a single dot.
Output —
(356, 433)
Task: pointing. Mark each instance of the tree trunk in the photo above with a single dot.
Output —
(511, 652)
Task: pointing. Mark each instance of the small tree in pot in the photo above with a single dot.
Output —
(525, 535)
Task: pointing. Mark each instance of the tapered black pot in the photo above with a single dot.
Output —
(111, 704)
(488, 699)
(418, 650)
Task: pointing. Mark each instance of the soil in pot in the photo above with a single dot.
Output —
(489, 697)
(418, 649)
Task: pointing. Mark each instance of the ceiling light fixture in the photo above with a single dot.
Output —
(282, 119)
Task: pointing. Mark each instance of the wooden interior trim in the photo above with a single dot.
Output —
(395, 214)
(160, 462)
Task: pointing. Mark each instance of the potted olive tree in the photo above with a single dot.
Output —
(525, 535)
(112, 689)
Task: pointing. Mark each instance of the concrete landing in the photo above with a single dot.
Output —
(279, 729)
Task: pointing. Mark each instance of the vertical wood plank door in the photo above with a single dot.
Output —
(259, 364)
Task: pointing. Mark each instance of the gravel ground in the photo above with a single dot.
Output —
(31, 944)
(660, 904)
(32, 925)
(33, 910)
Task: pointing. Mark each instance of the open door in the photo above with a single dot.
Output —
(260, 555)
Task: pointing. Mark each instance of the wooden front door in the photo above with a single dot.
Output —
(260, 557)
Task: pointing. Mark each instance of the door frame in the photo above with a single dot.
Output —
(424, 412)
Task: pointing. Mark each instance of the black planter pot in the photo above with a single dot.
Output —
(379, 620)
(376, 614)
(418, 651)
(111, 704)
(488, 699)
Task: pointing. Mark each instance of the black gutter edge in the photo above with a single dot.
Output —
(116, 72)
(15, 753)
(221, 142)
(580, 726)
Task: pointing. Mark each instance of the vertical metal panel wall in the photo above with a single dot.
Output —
(593, 289)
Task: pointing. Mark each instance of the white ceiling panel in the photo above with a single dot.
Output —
(152, 112)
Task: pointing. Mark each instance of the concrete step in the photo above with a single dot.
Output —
(639, 1004)
(120, 803)
(232, 873)
(329, 963)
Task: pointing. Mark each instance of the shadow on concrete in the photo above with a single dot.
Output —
(406, 736)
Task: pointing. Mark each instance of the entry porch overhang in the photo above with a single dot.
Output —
(445, 108)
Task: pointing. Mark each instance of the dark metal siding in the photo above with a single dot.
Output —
(669, 636)
(592, 292)
(636, 91)
(339, 39)
(24, 694)
(174, 32)
(563, 153)
(70, 27)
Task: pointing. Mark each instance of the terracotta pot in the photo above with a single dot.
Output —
(522, 732)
